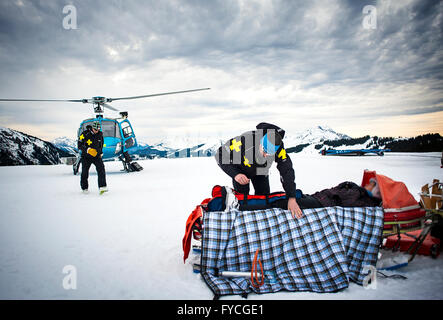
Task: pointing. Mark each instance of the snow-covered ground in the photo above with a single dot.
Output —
(126, 244)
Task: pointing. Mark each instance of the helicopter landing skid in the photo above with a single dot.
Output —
(130, 166)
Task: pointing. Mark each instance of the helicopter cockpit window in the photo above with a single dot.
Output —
(126, 128)
(110, 129)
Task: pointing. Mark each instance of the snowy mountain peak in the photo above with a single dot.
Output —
(324, 128)
(65, 141)
(66, 144)
(326, 132)
(314, 135)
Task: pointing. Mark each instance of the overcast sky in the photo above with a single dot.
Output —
(297, 64)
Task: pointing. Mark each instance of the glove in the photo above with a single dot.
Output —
(92, 152)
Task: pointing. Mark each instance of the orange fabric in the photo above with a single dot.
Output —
(186, 242)
(394, 194)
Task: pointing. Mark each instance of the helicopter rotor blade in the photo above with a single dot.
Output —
(110, 107)
(43, 100)
(156, 94)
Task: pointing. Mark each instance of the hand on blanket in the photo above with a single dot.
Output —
(242, 179)
(294, 208)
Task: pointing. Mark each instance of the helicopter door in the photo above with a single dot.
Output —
(111, 138)
(128, 135)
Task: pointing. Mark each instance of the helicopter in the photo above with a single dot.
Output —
(118, 133)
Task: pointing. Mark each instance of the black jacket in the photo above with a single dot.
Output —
(88, 139)
(242, 155)
(346, 194)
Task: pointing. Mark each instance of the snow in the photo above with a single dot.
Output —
(126, 244)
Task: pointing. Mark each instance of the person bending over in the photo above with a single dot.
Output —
(248, 157)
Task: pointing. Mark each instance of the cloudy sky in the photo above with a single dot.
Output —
(297, 64)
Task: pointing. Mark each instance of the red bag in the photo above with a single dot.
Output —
(429, 247)
(196, 214)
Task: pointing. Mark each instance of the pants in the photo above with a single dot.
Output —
(99, 166)
(260, 183)
(308, 202)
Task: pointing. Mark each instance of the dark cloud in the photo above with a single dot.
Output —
(313, 34)
(257, 43)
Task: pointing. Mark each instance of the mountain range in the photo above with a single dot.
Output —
(18, 148)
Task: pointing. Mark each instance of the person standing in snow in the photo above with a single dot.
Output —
(90, 142)
(248, 158)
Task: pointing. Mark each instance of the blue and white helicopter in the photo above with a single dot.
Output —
(118, 134)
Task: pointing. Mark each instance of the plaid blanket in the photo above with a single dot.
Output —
(321, 252)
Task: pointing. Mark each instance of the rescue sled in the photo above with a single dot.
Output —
(400, 223)
(407, 224)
